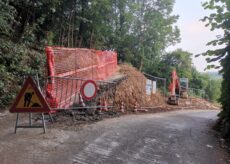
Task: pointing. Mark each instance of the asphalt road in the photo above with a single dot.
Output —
(175, 137)
(166, 138)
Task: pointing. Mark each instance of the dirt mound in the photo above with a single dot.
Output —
(195, 103)
(132, 92)
(204, 104)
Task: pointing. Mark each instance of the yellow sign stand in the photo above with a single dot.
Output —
(30, 100)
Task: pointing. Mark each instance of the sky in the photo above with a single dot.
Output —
(194, 34)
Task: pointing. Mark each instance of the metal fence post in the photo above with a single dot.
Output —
(165, 87)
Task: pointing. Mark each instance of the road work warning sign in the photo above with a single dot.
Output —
(30, 99)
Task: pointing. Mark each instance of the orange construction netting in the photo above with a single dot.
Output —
(78, 63)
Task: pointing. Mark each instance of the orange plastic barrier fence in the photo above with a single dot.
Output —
(75, 62)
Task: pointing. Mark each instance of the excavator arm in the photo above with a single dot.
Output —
(174, 89)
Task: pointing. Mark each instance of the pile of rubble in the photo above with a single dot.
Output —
(203, 104)
(194, 103)
(131, 92)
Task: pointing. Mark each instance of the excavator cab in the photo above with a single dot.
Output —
(184, 88)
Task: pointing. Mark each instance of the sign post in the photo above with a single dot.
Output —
(30, 100)
(89, 90)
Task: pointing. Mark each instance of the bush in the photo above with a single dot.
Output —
(225, 97)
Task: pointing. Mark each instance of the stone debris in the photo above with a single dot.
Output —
(132, 91)
(209, 146)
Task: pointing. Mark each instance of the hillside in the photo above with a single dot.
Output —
(214, 75)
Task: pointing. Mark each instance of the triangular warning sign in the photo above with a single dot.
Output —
(30, 99)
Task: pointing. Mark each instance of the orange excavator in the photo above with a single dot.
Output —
(174, 89)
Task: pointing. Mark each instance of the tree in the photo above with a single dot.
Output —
(180, 60)
(196, 80)
(220, 20)
(19, 53)
(139, 30)
(214, 91)
(154, 30)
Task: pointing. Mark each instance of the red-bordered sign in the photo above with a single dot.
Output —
(30, 99)
(88, 90)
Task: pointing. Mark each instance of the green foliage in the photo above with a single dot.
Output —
(225, 98)
(138, 30)
(196, 80)
(154, 31)
(214, 89)
(211, 86)
(17, 58)
(180, 60)
(220, 20)
(16, 61)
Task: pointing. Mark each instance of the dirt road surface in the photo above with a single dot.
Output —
(175, 137)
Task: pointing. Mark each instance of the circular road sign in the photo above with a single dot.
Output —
(88, 90)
